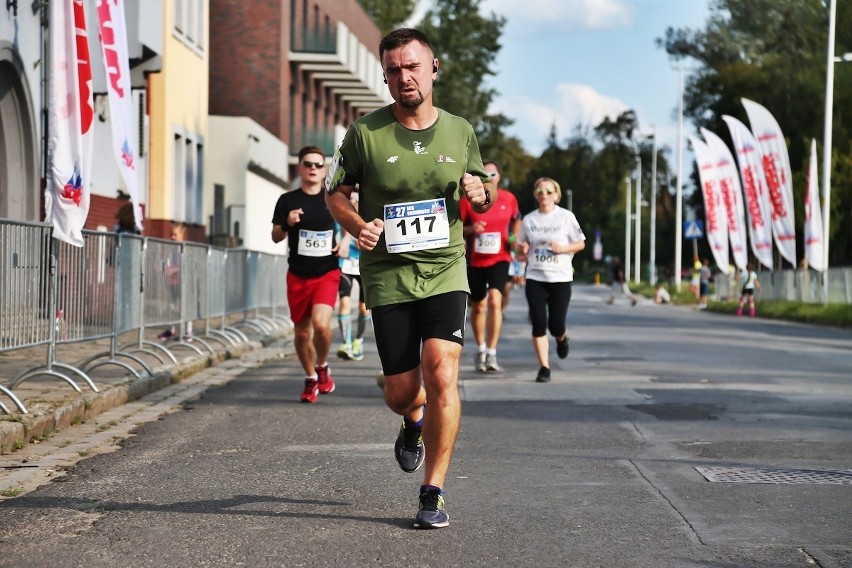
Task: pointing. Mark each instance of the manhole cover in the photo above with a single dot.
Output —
(778, 476)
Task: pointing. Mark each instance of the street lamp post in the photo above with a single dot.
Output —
(679, 189)
(826, 144)
(637, 269)
(653, 259)
(627, 231)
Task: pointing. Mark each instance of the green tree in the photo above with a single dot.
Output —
(507, 151)
(388, 15)
(466, 44)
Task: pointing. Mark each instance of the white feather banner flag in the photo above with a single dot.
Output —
(814, 242)
(779, 179)
(754, 190)
(732, 196)
(715, 216)
(71, 114)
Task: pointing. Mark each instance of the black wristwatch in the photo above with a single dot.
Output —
(487, 197)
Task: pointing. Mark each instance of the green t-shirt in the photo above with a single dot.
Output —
(393, 165)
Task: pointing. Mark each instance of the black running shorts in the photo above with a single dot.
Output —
(400, 329)
(486, 278)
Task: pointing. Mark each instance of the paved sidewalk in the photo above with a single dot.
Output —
(52, 403)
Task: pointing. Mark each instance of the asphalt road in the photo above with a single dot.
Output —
(601, 467)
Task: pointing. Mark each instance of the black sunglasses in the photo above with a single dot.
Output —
(310, 165)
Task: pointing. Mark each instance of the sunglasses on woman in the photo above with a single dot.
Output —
(542, 191)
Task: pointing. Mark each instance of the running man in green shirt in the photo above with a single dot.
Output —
(412, 163)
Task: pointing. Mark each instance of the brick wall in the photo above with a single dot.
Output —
(248, 61)
(249, 72)
(102, 212)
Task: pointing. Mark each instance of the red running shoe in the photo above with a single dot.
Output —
(326, 383)
(311, 391)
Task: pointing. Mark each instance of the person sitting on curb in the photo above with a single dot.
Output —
(661, 295)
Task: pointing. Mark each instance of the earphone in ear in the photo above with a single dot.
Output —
(385, 78)
(435, 66)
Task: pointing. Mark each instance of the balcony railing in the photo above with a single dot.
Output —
(307, 39)
(321, 137)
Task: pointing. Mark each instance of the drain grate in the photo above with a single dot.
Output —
(776, 476)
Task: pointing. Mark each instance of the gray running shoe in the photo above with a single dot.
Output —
(431, 514)
(479, 361)
(491, 365)
(409, 450)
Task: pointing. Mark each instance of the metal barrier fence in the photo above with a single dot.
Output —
(52, 293)
(807, 286)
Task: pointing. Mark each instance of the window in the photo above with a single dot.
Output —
(188, 179)
(180, 16)
(190, 23)
(177, 177)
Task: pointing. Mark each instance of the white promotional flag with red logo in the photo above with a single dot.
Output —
(70, 116)
(715, 216)
(813, 217)
(779, 180)
(754, 188)
(732, 196)
(113, 30)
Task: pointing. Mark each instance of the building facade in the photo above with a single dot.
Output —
(301, 70)
(225, 94)
(21, 145)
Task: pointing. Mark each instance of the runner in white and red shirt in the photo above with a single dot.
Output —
(488, 236)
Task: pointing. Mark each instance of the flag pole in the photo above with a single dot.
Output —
(678, 188)
(826, 144)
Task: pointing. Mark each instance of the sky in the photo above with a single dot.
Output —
(573, 62)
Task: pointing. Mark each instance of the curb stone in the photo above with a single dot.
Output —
(17, 429)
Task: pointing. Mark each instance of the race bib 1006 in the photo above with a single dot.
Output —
(543, 258)
(418, 225)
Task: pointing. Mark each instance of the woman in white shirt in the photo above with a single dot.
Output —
(548, 239)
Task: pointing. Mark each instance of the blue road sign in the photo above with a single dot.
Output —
(693, 229)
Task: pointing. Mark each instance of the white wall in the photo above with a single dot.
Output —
(261, 197)
(251, 164)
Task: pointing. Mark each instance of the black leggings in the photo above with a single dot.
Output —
(548, 302)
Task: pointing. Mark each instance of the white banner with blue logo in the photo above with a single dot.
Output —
(71, 113)
(113, 28)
